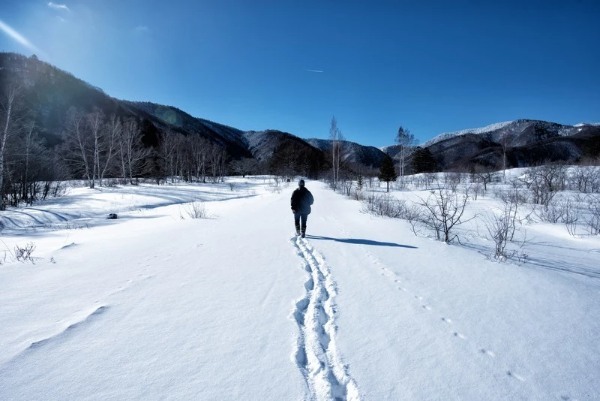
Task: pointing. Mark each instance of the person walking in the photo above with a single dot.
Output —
(301, 201)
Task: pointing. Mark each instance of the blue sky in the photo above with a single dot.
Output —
(430, 66)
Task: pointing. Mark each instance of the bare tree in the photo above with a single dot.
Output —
(10, 121)
(200, 150)
(593, 218)
(217, 162)
(587, 178)
(31, 164)
(168, 149)
(501, 227)
(483, 174)
(110, 133)
(94, 122)
(336, 137)
(244, 166)
(78, 147)
(442, 212)
(91, 144)
(405, 139)
(504, 143)
(132, 152)
(571, 217)
(545, 181)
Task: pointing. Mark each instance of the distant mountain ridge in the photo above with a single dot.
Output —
(523, 142)
(352, 152)
(230, 138)
(494, 131)
(481, 130)
(49, 93)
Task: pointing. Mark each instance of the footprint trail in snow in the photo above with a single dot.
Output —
(316, 353)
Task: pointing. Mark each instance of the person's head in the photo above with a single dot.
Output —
(301, 183)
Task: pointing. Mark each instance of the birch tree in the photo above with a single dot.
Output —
(405, 139)
(10, 121)
(93, 128)
(132, 152)
(110, 134)
(336, 137)
(78, 152)
(168, 153)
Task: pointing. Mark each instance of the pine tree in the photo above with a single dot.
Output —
(423, 161)
(387, 171)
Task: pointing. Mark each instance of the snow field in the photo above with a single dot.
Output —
(157, 305)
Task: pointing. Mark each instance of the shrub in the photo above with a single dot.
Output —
(195, 210)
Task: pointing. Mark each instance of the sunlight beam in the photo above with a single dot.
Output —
(17, 37)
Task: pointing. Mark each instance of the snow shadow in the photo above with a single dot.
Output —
(360, 241)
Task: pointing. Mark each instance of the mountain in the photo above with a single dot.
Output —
(525, 143)
(50, 92)
(285, 152)
(231, 138)
(263, 144)
(352, 152)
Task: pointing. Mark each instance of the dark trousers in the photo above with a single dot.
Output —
(300, 218)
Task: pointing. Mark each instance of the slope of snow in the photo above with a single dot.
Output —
(584, 124)
(477, 131)
(157, 305)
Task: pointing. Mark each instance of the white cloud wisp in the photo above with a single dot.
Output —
(61, 7)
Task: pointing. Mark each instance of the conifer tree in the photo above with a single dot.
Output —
(387, 171)
(423, 161)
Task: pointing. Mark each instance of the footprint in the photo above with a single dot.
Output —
(487, 352)
(516, 376)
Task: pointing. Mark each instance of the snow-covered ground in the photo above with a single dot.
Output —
(158, 305)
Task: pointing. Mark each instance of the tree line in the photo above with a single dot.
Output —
(96, 148)
(106, 148)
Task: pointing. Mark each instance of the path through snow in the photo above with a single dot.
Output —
(317, 354)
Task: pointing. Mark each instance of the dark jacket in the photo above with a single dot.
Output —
(301, 200)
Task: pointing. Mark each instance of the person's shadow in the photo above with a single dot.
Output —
(360, 241)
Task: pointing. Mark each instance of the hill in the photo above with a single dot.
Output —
(49, 93)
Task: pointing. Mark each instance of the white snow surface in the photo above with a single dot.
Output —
(584, 124)
(159, 306)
